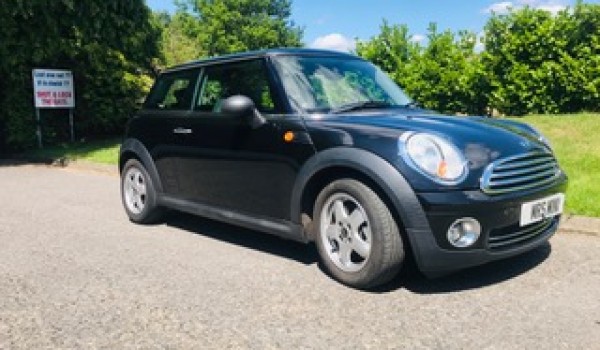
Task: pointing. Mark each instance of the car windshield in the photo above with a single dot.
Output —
(337, 84)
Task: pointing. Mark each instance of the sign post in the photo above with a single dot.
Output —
(38, 131)
(71, 125)
(53, 88)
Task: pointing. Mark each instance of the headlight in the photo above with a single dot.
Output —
(434, 157)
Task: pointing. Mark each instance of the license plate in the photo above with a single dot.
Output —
(541, 209)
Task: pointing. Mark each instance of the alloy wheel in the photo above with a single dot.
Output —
(346, 232)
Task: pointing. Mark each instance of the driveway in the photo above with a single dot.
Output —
(75, 273)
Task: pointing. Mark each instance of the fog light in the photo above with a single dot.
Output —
(464, 232)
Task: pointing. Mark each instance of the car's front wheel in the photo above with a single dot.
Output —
(138, 194)
(357, 237)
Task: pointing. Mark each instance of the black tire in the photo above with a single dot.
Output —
(386, 254)
(149, 212)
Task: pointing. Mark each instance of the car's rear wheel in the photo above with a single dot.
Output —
(138, 194)
(357, 237)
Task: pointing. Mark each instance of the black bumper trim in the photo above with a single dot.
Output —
(434, 261)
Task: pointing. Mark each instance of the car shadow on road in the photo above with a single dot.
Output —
(410, 279)
(303, 253)
(472, 278)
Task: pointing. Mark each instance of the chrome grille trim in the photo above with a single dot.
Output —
(524, 163)
(521, 179)
(500, 241)
(520, 172)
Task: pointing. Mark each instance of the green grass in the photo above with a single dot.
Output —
(576, 142)
(103, 151)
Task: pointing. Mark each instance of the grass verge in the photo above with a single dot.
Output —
(577, 146)
(102, 151)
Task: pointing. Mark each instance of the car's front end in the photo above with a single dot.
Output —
(488, 189)
(483, 188)
(489, 197)
(471, 227)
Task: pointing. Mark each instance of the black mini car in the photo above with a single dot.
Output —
(322, 146)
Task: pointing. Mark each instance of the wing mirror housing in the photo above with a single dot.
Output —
(240, 106)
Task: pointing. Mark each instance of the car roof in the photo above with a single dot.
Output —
(259, 54)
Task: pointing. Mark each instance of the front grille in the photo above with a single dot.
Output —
(521, 172)
(508, 237)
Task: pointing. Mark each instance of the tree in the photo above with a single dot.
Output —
(533, 62)
(537, 62)
(226, 26)
(584, 61)
(393, 51)
(178, 41)
(449, 73)
(445, 74)
(107, 44)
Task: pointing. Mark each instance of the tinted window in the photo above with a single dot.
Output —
(248, 78)
(173, 91)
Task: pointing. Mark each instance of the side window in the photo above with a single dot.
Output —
(212, 92)
(248, 78)
(173, 91)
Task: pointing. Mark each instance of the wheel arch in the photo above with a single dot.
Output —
(364, 166)
(133, 148)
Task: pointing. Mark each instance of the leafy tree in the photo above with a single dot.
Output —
(107, 44)
(584, 63)
(444, 75)
(178, 40)
(533, 62)
(394, 52)
(449, 73)
(537, 62)
(226, 26)
(522, 53)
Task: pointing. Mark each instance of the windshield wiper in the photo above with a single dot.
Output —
(360, 105)
(412, 104)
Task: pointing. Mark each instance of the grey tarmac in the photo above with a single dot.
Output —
(75, 273)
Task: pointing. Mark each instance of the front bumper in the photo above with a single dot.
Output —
(499, 218)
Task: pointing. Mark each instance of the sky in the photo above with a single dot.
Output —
(337, 24)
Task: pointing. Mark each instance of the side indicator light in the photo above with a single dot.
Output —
(289, 136)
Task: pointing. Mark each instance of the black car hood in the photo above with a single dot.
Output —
(481, 139)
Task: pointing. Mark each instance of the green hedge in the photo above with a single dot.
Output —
(109, 45)
(532, 62)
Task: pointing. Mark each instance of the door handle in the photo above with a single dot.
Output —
(182, 131)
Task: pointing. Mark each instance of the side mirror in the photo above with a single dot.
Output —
(243, 107)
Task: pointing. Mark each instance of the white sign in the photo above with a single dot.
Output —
(53, 88)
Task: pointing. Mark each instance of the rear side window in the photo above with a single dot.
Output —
(248, 78)
(173, 91)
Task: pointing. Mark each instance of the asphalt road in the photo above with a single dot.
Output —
(75, 273)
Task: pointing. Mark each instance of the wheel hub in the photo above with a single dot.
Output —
(345, 232)
(134, 190)
(347, 237)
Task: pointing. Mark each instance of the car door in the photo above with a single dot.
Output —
(228, 164)
(167, 107)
